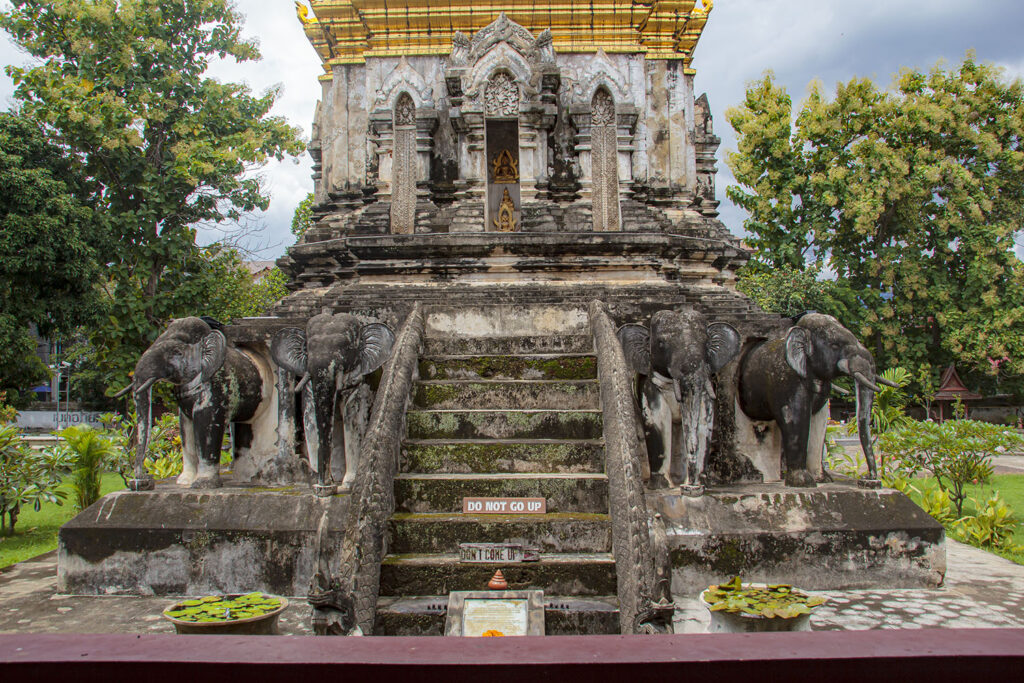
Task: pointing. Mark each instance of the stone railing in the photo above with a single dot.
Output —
(373, 501)
(631, 540)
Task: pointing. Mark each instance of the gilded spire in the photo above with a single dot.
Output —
(349, 31)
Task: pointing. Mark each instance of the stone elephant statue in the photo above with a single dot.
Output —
(332, 355)
(678, 357)
(789, 380)
(214, 384)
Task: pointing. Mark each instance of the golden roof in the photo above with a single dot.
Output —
(349, 31)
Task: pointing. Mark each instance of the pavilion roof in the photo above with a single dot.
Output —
(952, 387)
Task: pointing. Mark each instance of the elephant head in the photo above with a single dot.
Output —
(332, 355)
(188, 354)
(819, 349)
(679, 356)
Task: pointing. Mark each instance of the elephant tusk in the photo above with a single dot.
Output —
(841, 391)
(146, 385)
(124, 391)
(709, 387)
(867, 384)
(302, 383)
(888, 383)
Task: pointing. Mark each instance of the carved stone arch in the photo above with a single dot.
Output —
(502, 57)
(601, 72)
(406, 79)
(604, 162)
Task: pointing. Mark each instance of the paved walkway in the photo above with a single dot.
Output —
(981, 591)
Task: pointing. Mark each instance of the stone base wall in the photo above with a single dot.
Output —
(833, 537)
(175, 541)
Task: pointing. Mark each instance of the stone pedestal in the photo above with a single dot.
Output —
(835, 536)
(176, 541)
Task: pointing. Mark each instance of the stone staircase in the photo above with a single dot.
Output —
(508, 417)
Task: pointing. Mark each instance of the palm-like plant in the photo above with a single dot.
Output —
(91, 454)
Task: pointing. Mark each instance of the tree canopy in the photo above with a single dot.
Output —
(912, 196)
(49, 239)
(122, 85)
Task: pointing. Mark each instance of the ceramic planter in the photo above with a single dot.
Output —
(741, 622)
(261, 625)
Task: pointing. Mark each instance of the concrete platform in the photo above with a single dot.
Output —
(981, 591)
(831, 537)
(175, 540)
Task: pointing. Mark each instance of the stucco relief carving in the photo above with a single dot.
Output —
(604, 142)
(501, 97)
(543, 50)
(502, 46)
(501, 30)
(603, 112)
(403, 190)
(404, 79)
(597, 72)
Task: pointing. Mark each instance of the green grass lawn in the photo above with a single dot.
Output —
(36, 532)
(1011, 488)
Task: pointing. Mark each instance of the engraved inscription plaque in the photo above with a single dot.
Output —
(495, 613)
(507, 617)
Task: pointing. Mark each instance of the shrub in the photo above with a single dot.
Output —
(26, 477)
(92, 453)
(991, 527)
(955, 452)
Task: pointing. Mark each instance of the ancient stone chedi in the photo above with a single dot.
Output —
(516, 291)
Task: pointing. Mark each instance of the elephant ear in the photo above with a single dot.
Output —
(798, 346)
(213, 349)
(722, 346)
(636, 346)
(288, 349)
(375, 343)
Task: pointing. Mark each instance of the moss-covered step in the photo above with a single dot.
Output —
(502, 456)
(507, 346)
(562, 366)
(555, 574)
(444, 492)
(505, 395)
(504, 424)
(563, 616)
(551, 533)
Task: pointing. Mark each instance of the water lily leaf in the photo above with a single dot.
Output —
(192, 603)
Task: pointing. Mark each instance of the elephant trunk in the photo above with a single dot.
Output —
(143, 425)
(324, 402)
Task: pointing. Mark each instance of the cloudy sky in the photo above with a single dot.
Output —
(799, 40)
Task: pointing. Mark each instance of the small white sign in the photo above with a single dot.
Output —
(504, 506)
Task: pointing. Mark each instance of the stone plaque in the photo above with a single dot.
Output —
(504, 613)
(497, 553)
(504, 506)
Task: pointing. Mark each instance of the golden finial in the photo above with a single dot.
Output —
(706, 6)
(303, 13)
